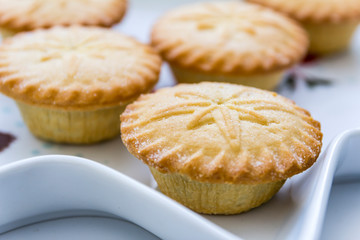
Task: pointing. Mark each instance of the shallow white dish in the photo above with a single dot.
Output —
(84, 227)
(48, 187)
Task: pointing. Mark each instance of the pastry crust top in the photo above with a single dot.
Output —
(76, 67)
(229, 37)
(218, 132)
(22, 15)
(316, 10)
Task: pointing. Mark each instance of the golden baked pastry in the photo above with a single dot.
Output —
(19, 15)
(329, 23)
(71, 83)
(229, 42)
(220, 148)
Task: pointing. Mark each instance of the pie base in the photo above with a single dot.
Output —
(72, 126)
(326, 38)
(6, 32)
(267, 81)
(215, 198)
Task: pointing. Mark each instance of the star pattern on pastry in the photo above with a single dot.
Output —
(76, 66)
(240, 22)
(231, 37)
(226, 113)
(19, 15)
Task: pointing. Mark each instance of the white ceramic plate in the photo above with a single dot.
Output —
(334, 106)
(49, 187)
(85, 227)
